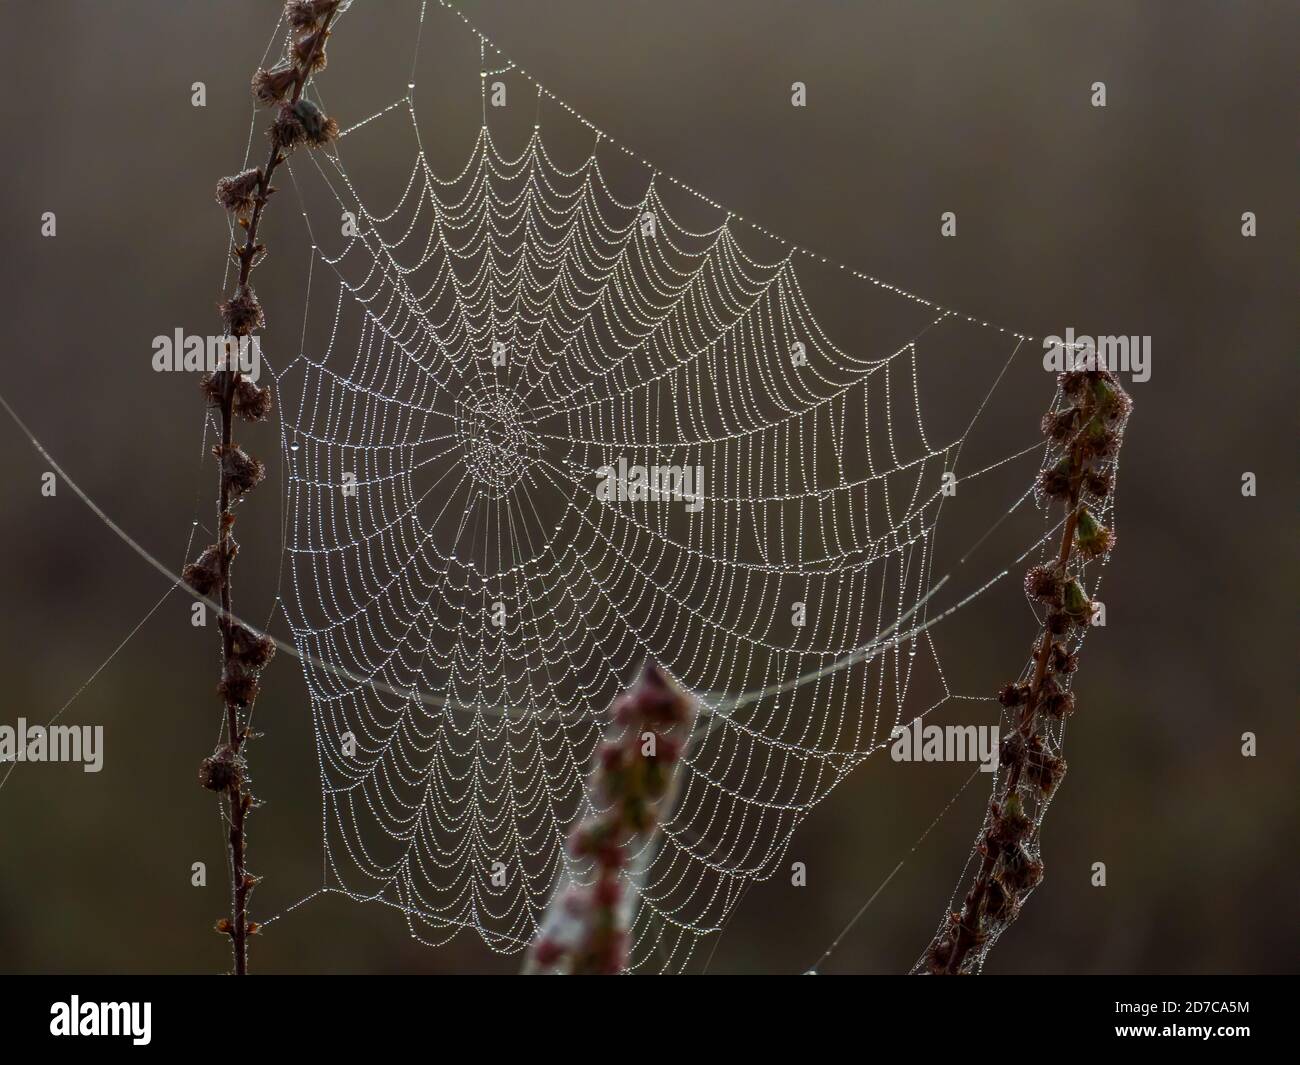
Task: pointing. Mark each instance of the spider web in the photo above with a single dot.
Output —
(498, 344)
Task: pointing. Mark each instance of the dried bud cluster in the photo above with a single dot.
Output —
(298, 120)
(1044, 583)
(222, 770)
(251, 403)
(272, 86)
(204, 573)
(250, 649)
(249, 653)
(1084, 437)
(586, 929)
(238, 686)
(302, 122)
(242, 313)
(1011, 825)
(240, 472)
(308, 14)
(1042, 769)
(238, 194)
(309, 51)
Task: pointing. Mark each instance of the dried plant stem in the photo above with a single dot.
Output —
(1087, 433)
(244, 653)
(968, 929)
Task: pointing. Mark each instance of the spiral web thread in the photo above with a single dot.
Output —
(466, 606)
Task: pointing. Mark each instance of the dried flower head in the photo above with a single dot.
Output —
(1019, 870)
(1054, 481)
(971, 930)
(1043, 583)
(1099, 440)
(250, 649)
(1073, 383)
(999, 903)
(317, 127)
(1012, 695)
(1062, 660)
(1058, 425)
(238, 193)
(1042, 768)
(938, 955)
(1099, 483)
(307, 14)
(221, 769)
(240, 470)
(212, 386)
(1054, 700)
(309, 52)
(287, 131)
(1010, 824)
(204, 574)
(242, 313)
(272, 86)
(251, 403)
(238, 686)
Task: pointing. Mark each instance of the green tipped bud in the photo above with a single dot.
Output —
(1091, 537)
(1075, 603)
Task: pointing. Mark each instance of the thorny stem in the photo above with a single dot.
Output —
(239, 796)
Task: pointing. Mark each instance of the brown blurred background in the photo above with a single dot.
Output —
(1122, 220)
